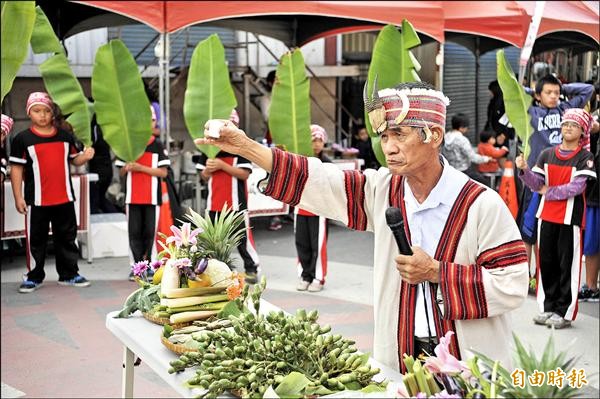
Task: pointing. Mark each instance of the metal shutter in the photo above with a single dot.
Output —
(459, 83)
(136, 37)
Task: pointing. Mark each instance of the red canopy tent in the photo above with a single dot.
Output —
(169, 16)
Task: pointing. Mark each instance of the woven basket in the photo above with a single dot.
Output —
(165, 320)
(177, 348)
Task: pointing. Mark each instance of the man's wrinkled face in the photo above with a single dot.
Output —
(405, 152)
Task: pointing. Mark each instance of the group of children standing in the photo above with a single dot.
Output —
(40, 157)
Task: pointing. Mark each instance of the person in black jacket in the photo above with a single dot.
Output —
(102, 165)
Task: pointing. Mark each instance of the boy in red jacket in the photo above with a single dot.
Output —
(487, 140)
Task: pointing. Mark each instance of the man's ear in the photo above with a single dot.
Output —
(437, 136)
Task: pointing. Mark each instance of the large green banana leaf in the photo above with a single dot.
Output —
(122, 107)
(43, 38)
(289, 113)
(208, 94)
(16, 25)
(65, 90)
(392, 62)
(516, 101)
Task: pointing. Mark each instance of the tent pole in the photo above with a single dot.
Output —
(477, 67)
(161, 85)
(167, 89)
(440, 64)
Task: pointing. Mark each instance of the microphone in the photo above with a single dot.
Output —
(395, 222)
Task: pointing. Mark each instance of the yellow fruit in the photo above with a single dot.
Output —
(156, 279)
(199, 282)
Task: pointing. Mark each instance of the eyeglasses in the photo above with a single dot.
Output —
(571, 124)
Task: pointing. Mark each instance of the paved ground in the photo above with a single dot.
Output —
(54, 343)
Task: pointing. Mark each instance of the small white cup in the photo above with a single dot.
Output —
(214, 126)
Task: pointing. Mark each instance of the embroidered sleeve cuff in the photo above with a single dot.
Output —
(119, 163)
(507, 254)
(164, 162)
(288, 177)
(462, 291)
(75, 154)
(199, 166)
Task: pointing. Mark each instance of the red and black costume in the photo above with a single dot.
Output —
(143, 197)
(49, 196)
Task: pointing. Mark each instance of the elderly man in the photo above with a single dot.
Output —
(468, 268)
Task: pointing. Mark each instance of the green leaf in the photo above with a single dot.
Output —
(289, 113)
(43, 38)
(208, 94)
(65, 90)
(16, 25)
(392, 62)
(292, 385)
(122, 108)
(516, 101)
(374, 388)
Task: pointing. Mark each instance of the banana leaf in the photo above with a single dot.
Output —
(289, 113)
(43, 38)
(392, 62)
(16, 25)
(65, 90)
(516, 101)
(208, 94)
(122, 107)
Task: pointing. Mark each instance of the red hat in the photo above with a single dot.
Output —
(579, 116)
(415, 107)
(38, 98)
(583, 119)
(317, 132)
(234, 117)
(7, 124)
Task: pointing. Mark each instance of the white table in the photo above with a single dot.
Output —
(142, 338)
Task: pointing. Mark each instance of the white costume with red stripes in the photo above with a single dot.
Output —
(483, 264)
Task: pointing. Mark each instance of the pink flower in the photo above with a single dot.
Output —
(183, 263)
(156, 265)
(185, 236)
(445, 362)
(139, 267)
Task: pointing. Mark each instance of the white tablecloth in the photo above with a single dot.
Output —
(142, 337)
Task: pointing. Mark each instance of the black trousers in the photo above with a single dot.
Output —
(246, 246)
(309, 237)
(64, 234)
(142, 223)
(560, 265)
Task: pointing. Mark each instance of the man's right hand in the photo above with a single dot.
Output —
(21, 206)
(231, 139)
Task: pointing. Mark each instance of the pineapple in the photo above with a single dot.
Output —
(220, 237)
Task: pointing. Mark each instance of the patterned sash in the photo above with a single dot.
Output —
(446, 251)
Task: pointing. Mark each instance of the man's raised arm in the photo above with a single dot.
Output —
(234, 141)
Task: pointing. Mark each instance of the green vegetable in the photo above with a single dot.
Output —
(290, 354)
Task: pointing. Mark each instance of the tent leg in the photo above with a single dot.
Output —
(164, 91)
